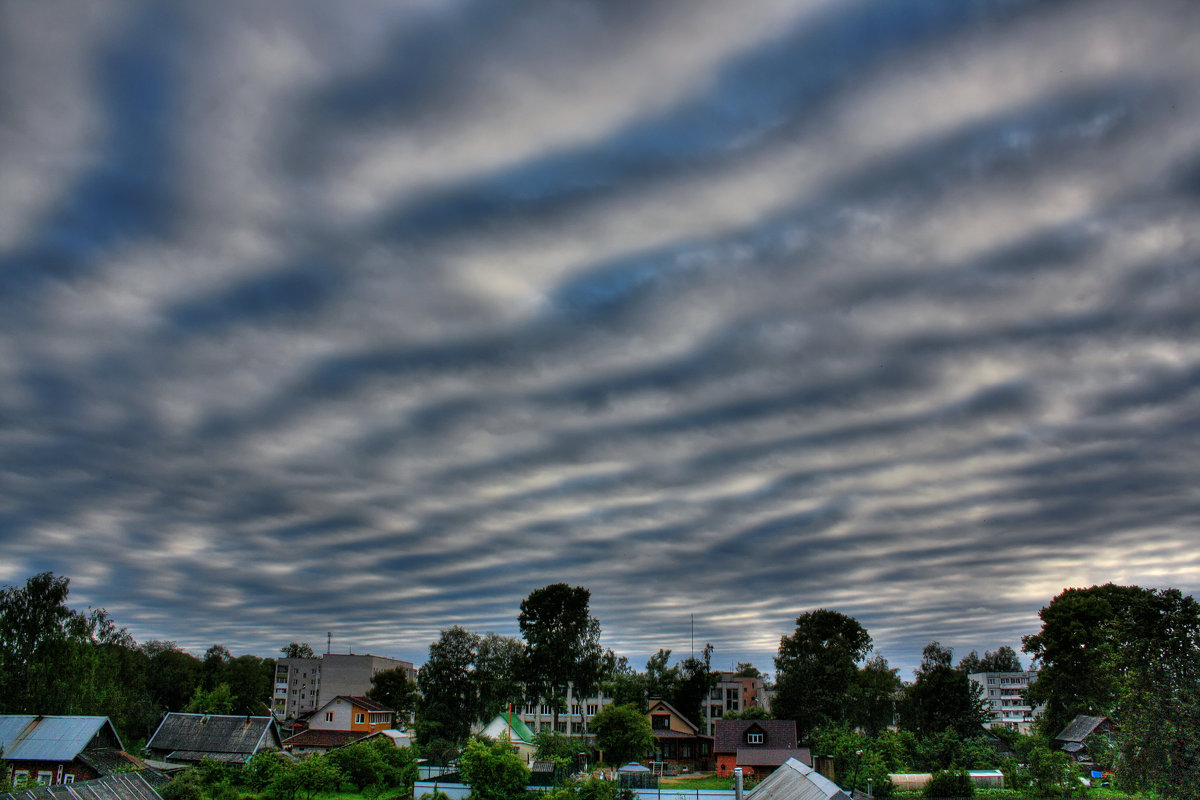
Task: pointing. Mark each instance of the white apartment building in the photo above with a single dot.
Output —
(302, 685)
(1004, 693)
(573, 721)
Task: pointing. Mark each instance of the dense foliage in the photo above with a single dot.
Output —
(816, 668)
(493, 771)
(623, 733)
(562, 645)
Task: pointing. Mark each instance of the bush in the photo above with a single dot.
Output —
(947, 783)
(184, 787)
(493, 771)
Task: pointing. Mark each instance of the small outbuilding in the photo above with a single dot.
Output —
(795, 780)
(232, 738)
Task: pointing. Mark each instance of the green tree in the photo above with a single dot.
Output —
(942, 697)
(1002, 659)
(172, 676)
(218, 700)
(394, 689)
(745, 669)
(949, 783)
(661, 678)
(250, 680)
(697, 680)
(449, 696)
(873, 695)
(37, 634)
(1079, 652)
(623, 733)
(304, 779)
(749, 712)
(816, 669)
(625, 684)
(499, 665)
(1158, 718)
(297, 650)
(562, 644)
(493, 771)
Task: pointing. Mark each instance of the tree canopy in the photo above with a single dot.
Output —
(562, 644)
(943, 697)
(816, 669)
(623, 733)
(450, 698)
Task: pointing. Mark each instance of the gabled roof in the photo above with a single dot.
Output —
(1080, 728)
(779, 733)
(674, 712)
(123, 786)
(365, 703)
(502, 724)
(796, 781)
(225, 737)
(26, 737)
(771, 756)
(323, 738)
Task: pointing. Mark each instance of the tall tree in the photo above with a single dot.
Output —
(874, 695)
(816, 669)
(37, 632)
(661, 678)
(173, 675)
(696, 681)
(1079, 651)
(626, 685)
(499, 667)
(394, 689)
(562, 644)
(942, 697)
(449, 695)
(745, 669)
(1158, 718)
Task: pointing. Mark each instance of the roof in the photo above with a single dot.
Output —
(505, 722)
(123, 786)
(1080, 728)
(779, 733)
(363, 702)
(28, 737)
(225, 737)
(796, 781)
(323, 738)
(771, 756)
(674, 711)
(107, 760)
(662, 734)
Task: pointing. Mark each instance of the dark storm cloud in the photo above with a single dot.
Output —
(375, 321)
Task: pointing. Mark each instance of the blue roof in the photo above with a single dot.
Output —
(26, 737)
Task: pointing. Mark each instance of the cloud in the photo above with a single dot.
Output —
(374, 321)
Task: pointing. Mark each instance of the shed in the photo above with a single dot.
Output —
(795, 780)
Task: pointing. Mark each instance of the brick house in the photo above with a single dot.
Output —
(758, 746)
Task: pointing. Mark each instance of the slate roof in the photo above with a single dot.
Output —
(771, 756)
(107, 760)
(122, 786)
(779, 733)
(796, 781)
(225, 737)
(1080, 728)
(28, 737)
(362, 702)
(323, 738)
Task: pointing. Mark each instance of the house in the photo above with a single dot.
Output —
(509, 727)
(62, 749)
(303, 685)
(341, 721)
(758, 746)
(795, 780)
(678, 743)
(1071, 739)
(143, 785)
(191, 738)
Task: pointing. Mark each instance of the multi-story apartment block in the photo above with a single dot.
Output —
(573, 721)
(1004, 693)
(732, 694)
(302, 685)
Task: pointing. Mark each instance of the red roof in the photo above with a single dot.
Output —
(731, 734)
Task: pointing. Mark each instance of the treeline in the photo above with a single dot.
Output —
(58, 660)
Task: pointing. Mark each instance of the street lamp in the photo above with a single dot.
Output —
(854, 775)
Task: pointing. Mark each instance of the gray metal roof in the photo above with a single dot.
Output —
(221, 736)
(124, 786)
(796, 781)
(26, 737)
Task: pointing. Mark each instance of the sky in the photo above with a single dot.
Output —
(372, 318)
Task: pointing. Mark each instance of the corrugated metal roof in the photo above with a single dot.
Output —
(124, 786)
(26, 737)
(796, 781)
(214, 734)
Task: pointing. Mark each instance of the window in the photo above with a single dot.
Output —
(329, 716)
(577, 728)
(68, 778)
(660, 722)
(754, 738)
(593, 709)
(45, 778)
(360, 718)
